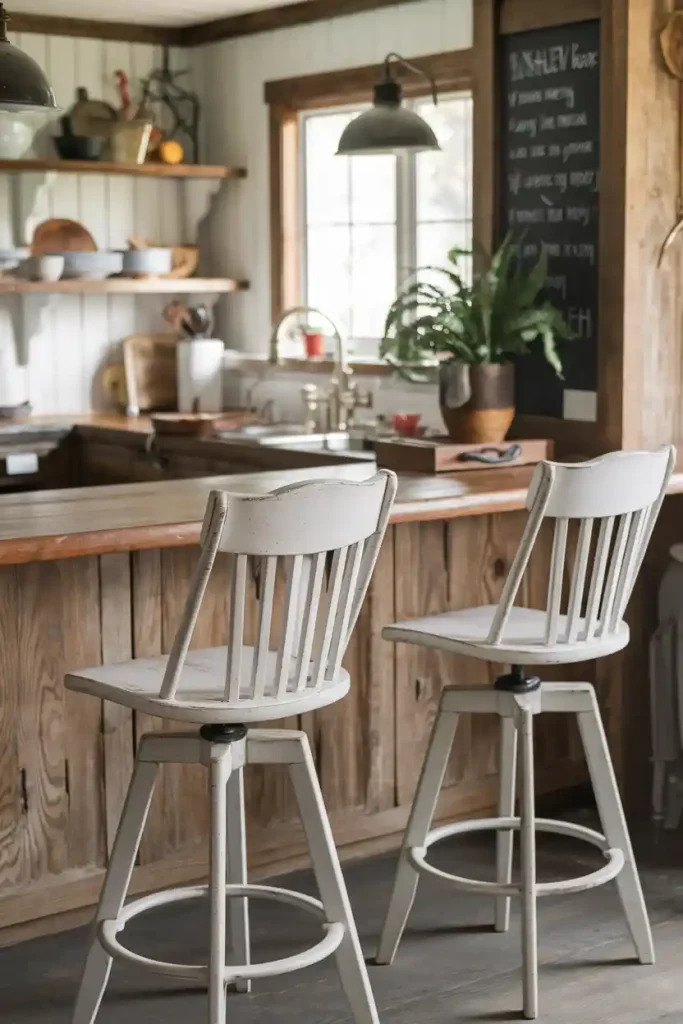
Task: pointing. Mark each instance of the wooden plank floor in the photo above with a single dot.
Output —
(450, 969)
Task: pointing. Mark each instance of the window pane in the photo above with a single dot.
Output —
(373, 278)
(435, 240)
(327, 175)
(349, 267)
(329, 273)
(373, 189)
(444, 180)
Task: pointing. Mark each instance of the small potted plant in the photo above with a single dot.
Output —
(473, 332)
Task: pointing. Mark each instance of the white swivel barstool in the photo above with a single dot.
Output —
(325, 536)
(610, 505)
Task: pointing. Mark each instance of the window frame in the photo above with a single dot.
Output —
(405, 210)
(287, 100)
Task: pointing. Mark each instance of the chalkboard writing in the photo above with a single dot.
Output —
(550, 179)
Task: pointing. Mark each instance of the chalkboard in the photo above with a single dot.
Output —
(550, 139)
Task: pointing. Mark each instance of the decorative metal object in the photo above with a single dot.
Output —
(389, 127)
(23, 85)
(177, 107)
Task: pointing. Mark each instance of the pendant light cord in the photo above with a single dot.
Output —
(396, 57)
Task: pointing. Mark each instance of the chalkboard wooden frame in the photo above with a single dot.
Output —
(525, 15)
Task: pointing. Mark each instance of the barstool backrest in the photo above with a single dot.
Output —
(616, 500)
(326, 535)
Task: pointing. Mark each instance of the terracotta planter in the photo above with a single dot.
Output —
(477, 402)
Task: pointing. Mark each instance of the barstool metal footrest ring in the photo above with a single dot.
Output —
(416, 855)
(334, 934)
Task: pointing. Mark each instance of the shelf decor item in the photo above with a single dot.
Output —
(23, 84)
(473, 332)
(173, 108)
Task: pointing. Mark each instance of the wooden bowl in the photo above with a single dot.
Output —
(60, 235)
(199, 424)
(185, 260)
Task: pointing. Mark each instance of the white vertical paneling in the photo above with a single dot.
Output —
(123, 205)
(31, 195)
(457, 22)
(64, 201)
(94, 338)
(152, 199)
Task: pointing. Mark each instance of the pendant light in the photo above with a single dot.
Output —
(23, 85)
(388, 126)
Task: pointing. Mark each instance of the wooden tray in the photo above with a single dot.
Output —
(202, 424)
(441, 455)
(186, 423)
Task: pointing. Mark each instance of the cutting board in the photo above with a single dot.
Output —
(150, 368)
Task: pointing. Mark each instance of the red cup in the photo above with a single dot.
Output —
(315, 344)
(407, 424)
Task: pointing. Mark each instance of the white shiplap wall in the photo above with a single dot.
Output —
(71, 337)
(230, 76)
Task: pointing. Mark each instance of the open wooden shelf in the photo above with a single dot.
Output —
(151, 170)
(123, 286)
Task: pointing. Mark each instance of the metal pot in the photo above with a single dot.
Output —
(477, 402)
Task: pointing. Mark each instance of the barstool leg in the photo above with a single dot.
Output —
(421, 814)
(528, 858)
(615, 828)
(220, 769)
(506, 809)
(352, 969)
(124, 851)
(237, 874)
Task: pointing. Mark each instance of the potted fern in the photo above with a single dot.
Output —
(473, 332)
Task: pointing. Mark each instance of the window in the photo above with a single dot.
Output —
(346, 232)
(368, 221)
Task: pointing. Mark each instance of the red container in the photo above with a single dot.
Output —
(315, 344)
(407, 424)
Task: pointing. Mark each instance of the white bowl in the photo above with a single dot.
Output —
(16, 135)
(11, 258)
(90, 266)
(147, 261)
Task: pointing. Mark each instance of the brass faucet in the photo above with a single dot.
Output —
(343, 396)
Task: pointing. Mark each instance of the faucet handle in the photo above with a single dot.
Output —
(314, 401)
(364, 399)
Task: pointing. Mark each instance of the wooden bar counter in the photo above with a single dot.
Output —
(99, 575)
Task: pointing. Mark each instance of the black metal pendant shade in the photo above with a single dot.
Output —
(388, 127)
(23, 84)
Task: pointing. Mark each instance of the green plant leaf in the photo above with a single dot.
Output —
(491, 319)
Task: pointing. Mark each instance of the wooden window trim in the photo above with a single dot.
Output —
(451, 71)
(287, 98)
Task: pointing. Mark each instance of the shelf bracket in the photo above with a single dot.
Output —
(26, 314)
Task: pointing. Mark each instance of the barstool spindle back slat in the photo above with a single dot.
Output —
(623, 492)
(339, 528)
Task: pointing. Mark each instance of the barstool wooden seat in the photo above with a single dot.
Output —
(324, 537)
(610, 505)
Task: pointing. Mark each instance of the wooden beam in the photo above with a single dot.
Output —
(451, 71)
(86, 28)
(525, 15)
(279, 17)
(615, 428)
(284, 210)
(485, 126)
